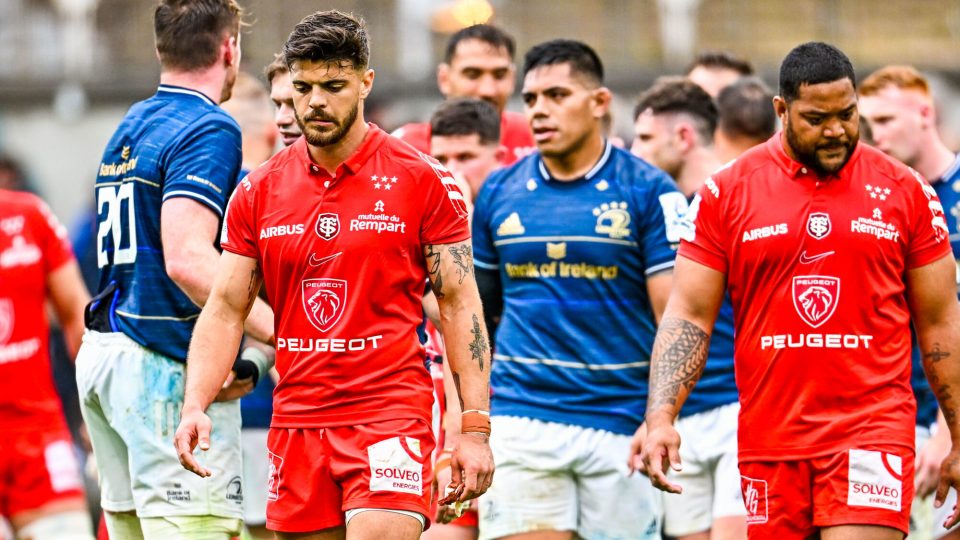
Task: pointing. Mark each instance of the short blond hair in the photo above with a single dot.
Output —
(902, 77)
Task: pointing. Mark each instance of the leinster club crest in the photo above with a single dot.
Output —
(324, 300)
(818, 225)
(6, 319)
(328, 226)
(815, 298)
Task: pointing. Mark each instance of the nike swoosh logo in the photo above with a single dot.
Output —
(807, 260)
(317, 261)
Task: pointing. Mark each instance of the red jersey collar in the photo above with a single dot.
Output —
(371, 143)
(797, 170)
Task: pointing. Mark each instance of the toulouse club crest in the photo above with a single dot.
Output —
(818, 225)
(6, 319)
(324, 300)
(815, 298)
(328, 226)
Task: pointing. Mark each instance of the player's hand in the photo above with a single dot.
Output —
(661, 450)
(471, 468)
(194, 430)
(445, 512)
(949, 477)
(234, 388)
(929, 458)
(634, 461)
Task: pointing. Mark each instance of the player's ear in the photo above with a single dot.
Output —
(366, 83)
(602, 98)
(443, 78)
(230, 49)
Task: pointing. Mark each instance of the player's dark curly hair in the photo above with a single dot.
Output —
(329, 36)
(467, 116)
(486, 33)
(813, 62)
(188, 33)
(582, 59)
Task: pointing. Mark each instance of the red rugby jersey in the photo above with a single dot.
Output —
(342, 260)
(815, 268)
(32, 245)
(515, 135)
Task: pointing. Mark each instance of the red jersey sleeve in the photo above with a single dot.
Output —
(445, 213)
(928, 240)
(239, 233)
(52, 237)
(702, 238)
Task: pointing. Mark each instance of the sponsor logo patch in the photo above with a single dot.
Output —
(815, 298)
(324, 300)
(875, 480)
(755, 499)
(395, 466)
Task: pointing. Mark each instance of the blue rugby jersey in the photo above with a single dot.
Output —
(178, 143)
(574, 341)
(948, 189)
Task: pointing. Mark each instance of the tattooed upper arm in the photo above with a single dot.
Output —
(444, 258)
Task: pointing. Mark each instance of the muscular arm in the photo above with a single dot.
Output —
(188, 231)
(69, 297)
(683, 337)
(491, 295)
(450, 268)
(931, 291)
(216, 337)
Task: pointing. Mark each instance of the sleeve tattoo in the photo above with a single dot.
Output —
(463, 257)
(679, 354)
(433, 270)
(479, 346)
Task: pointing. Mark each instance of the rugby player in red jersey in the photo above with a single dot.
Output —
(343, 227)
(829, 250)
(479, 64)
(41, 489)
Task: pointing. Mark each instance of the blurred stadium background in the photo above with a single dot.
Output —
(70, 68)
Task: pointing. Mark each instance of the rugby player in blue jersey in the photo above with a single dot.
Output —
(674, 124)
(899, 108)
(161, 190)
(574, 241)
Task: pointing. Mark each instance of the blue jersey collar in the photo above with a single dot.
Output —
(950, 172)
(184, 91)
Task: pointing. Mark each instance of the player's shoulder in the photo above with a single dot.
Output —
(875, 163)
(273, 171)
(518, 174)
(21, 201)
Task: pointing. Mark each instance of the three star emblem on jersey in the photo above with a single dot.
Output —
(818, 225)
(815, 298)
(328, 226)
(324, 300)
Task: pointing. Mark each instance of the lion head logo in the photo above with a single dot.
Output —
(815, 298)
(323, 301)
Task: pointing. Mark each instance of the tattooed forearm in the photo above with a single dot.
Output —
(463, 257)
(433, 270)
(940, 384)
(936, 354)
(679, 354)
(478, 347)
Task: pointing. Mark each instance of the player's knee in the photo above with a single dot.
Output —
(73, 525)
(190, 528)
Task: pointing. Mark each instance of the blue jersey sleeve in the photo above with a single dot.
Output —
(484, 252)
(660, 213)
(205, 163)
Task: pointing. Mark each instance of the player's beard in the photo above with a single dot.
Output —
(807, 153)
(316, 137)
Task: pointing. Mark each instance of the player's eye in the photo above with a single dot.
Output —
(472, 74)
(529, 99)
(501, 74)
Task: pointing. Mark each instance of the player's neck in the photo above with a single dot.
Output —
(577, 163)
(697, 168)
(935, 160)
(729, 148)
(330, 157)
(208, 82)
